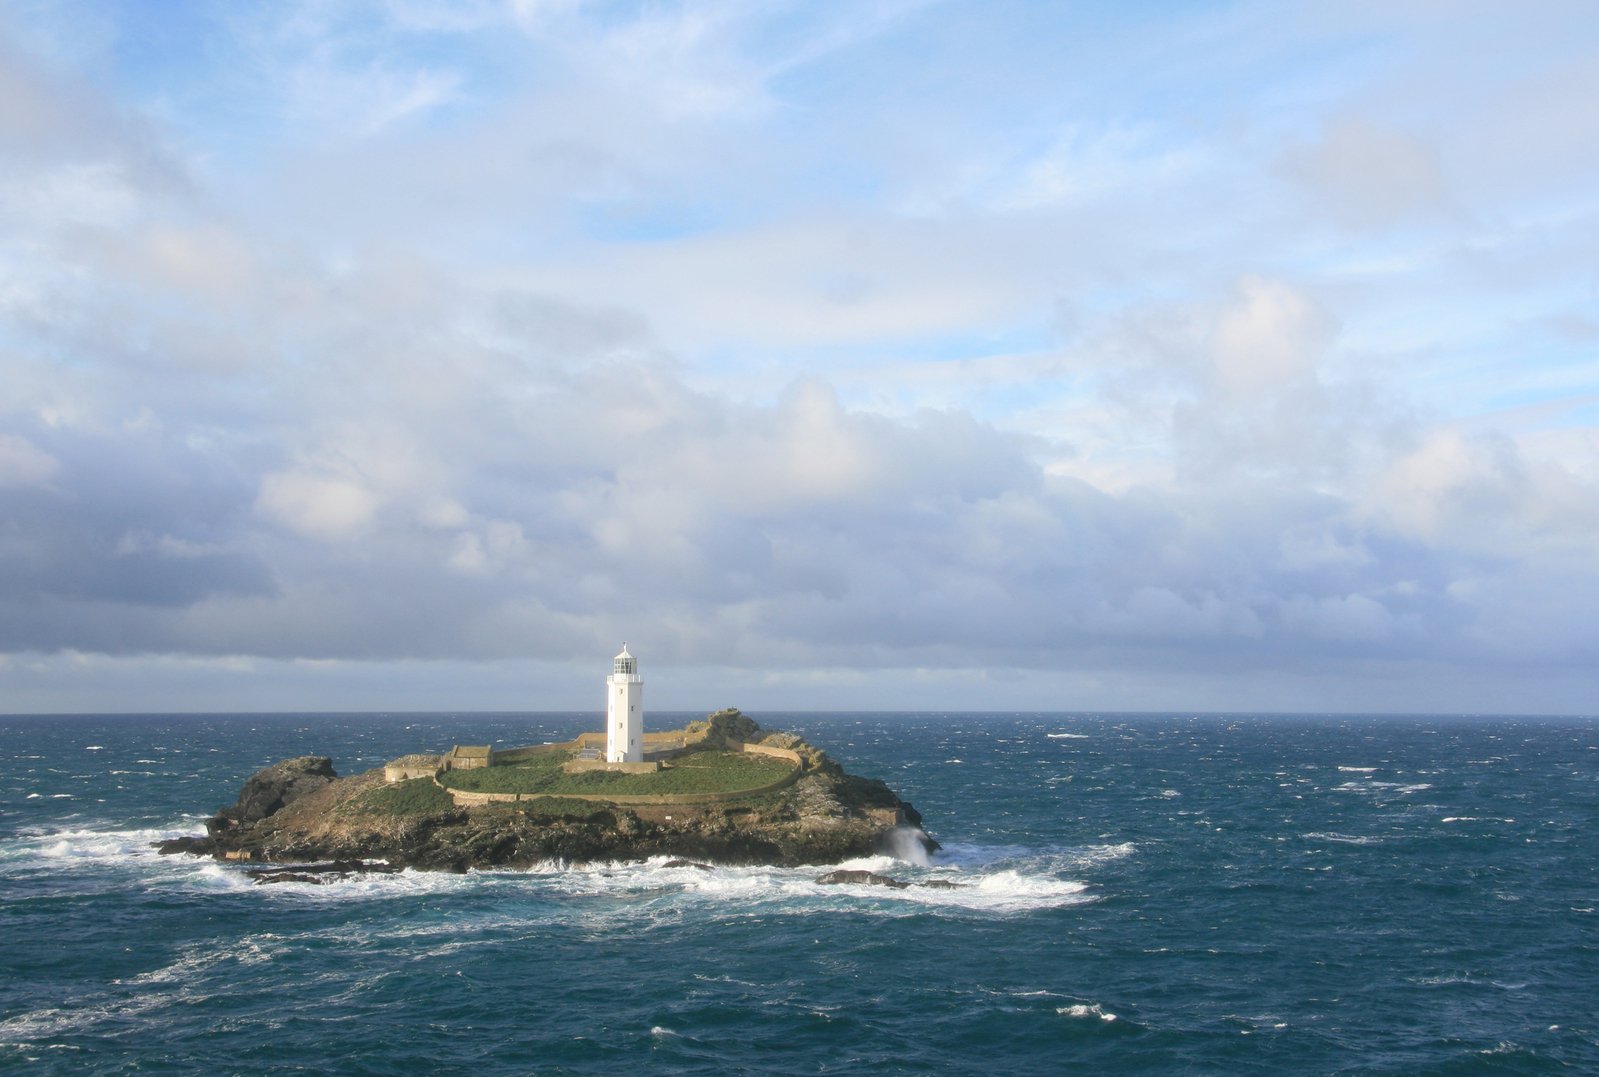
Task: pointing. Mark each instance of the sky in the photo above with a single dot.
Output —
(887, 354)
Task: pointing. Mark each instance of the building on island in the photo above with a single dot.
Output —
(468, 757)
(624, 711)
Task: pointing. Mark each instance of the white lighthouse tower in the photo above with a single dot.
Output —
(624, 711)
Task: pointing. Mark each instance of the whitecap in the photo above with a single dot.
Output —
(1079, 1009)
(1345, 839)
(1067, 736)
(1104, 854)
(1358, 770)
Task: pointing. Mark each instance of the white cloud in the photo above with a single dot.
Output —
(316, 506)
(24, 464)
(1269, 339)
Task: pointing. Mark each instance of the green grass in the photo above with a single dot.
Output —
(415, 796)
(697, 772)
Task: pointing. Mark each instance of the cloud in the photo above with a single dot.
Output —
(815, 349)
(24, 464)
(1367, 175)
(316, 506)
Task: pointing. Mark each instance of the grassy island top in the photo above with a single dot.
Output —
(724, 756)
(706, 771)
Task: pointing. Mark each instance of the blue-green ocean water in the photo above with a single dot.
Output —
(1157, 893)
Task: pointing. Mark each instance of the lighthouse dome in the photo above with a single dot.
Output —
(624, 663)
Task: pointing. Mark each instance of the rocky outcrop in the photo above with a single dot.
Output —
(299, 812)
(273, 789)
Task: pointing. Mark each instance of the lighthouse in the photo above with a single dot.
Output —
(624, 711)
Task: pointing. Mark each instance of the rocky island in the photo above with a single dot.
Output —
(720, 789)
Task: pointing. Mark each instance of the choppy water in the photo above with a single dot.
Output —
(1157, 893)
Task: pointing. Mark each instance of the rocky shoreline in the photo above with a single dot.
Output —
(300, 812)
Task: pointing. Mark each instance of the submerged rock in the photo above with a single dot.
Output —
(854, 875)
(319, 873)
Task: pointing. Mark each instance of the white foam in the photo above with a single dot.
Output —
(1345, 839)
(1067, 736)
(1079, 1009)
(999, 880)
(84, 843)
(1094, 855)
(795, 889)
(1358, 770)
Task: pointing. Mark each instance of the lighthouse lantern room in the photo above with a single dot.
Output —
(624, 711)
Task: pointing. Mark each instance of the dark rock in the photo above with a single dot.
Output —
(189, 843)
(288, 877)
(942, 884)
(854, 875)
(686, 864)
(273, 789)
(319, 873)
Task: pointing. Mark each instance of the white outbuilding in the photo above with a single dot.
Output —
(624, 711)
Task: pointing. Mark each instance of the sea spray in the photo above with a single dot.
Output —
(909, 844)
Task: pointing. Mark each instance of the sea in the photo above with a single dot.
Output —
(1152, 893)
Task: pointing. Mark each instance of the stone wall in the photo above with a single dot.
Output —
(578, 766)
(776, 753)
(410, 766)
(465, 799)
(516, 755)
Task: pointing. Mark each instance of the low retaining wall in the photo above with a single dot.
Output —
(776, 753)
(411, 766)
(579, 766)
(577, 744)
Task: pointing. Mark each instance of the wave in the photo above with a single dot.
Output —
(1067, 736)
(994, 890)
(88, 843)
(1089, 1009)
(1374, 787)
(978, 883)
(1345, 839)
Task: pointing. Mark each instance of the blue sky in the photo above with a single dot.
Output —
(903, 354)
